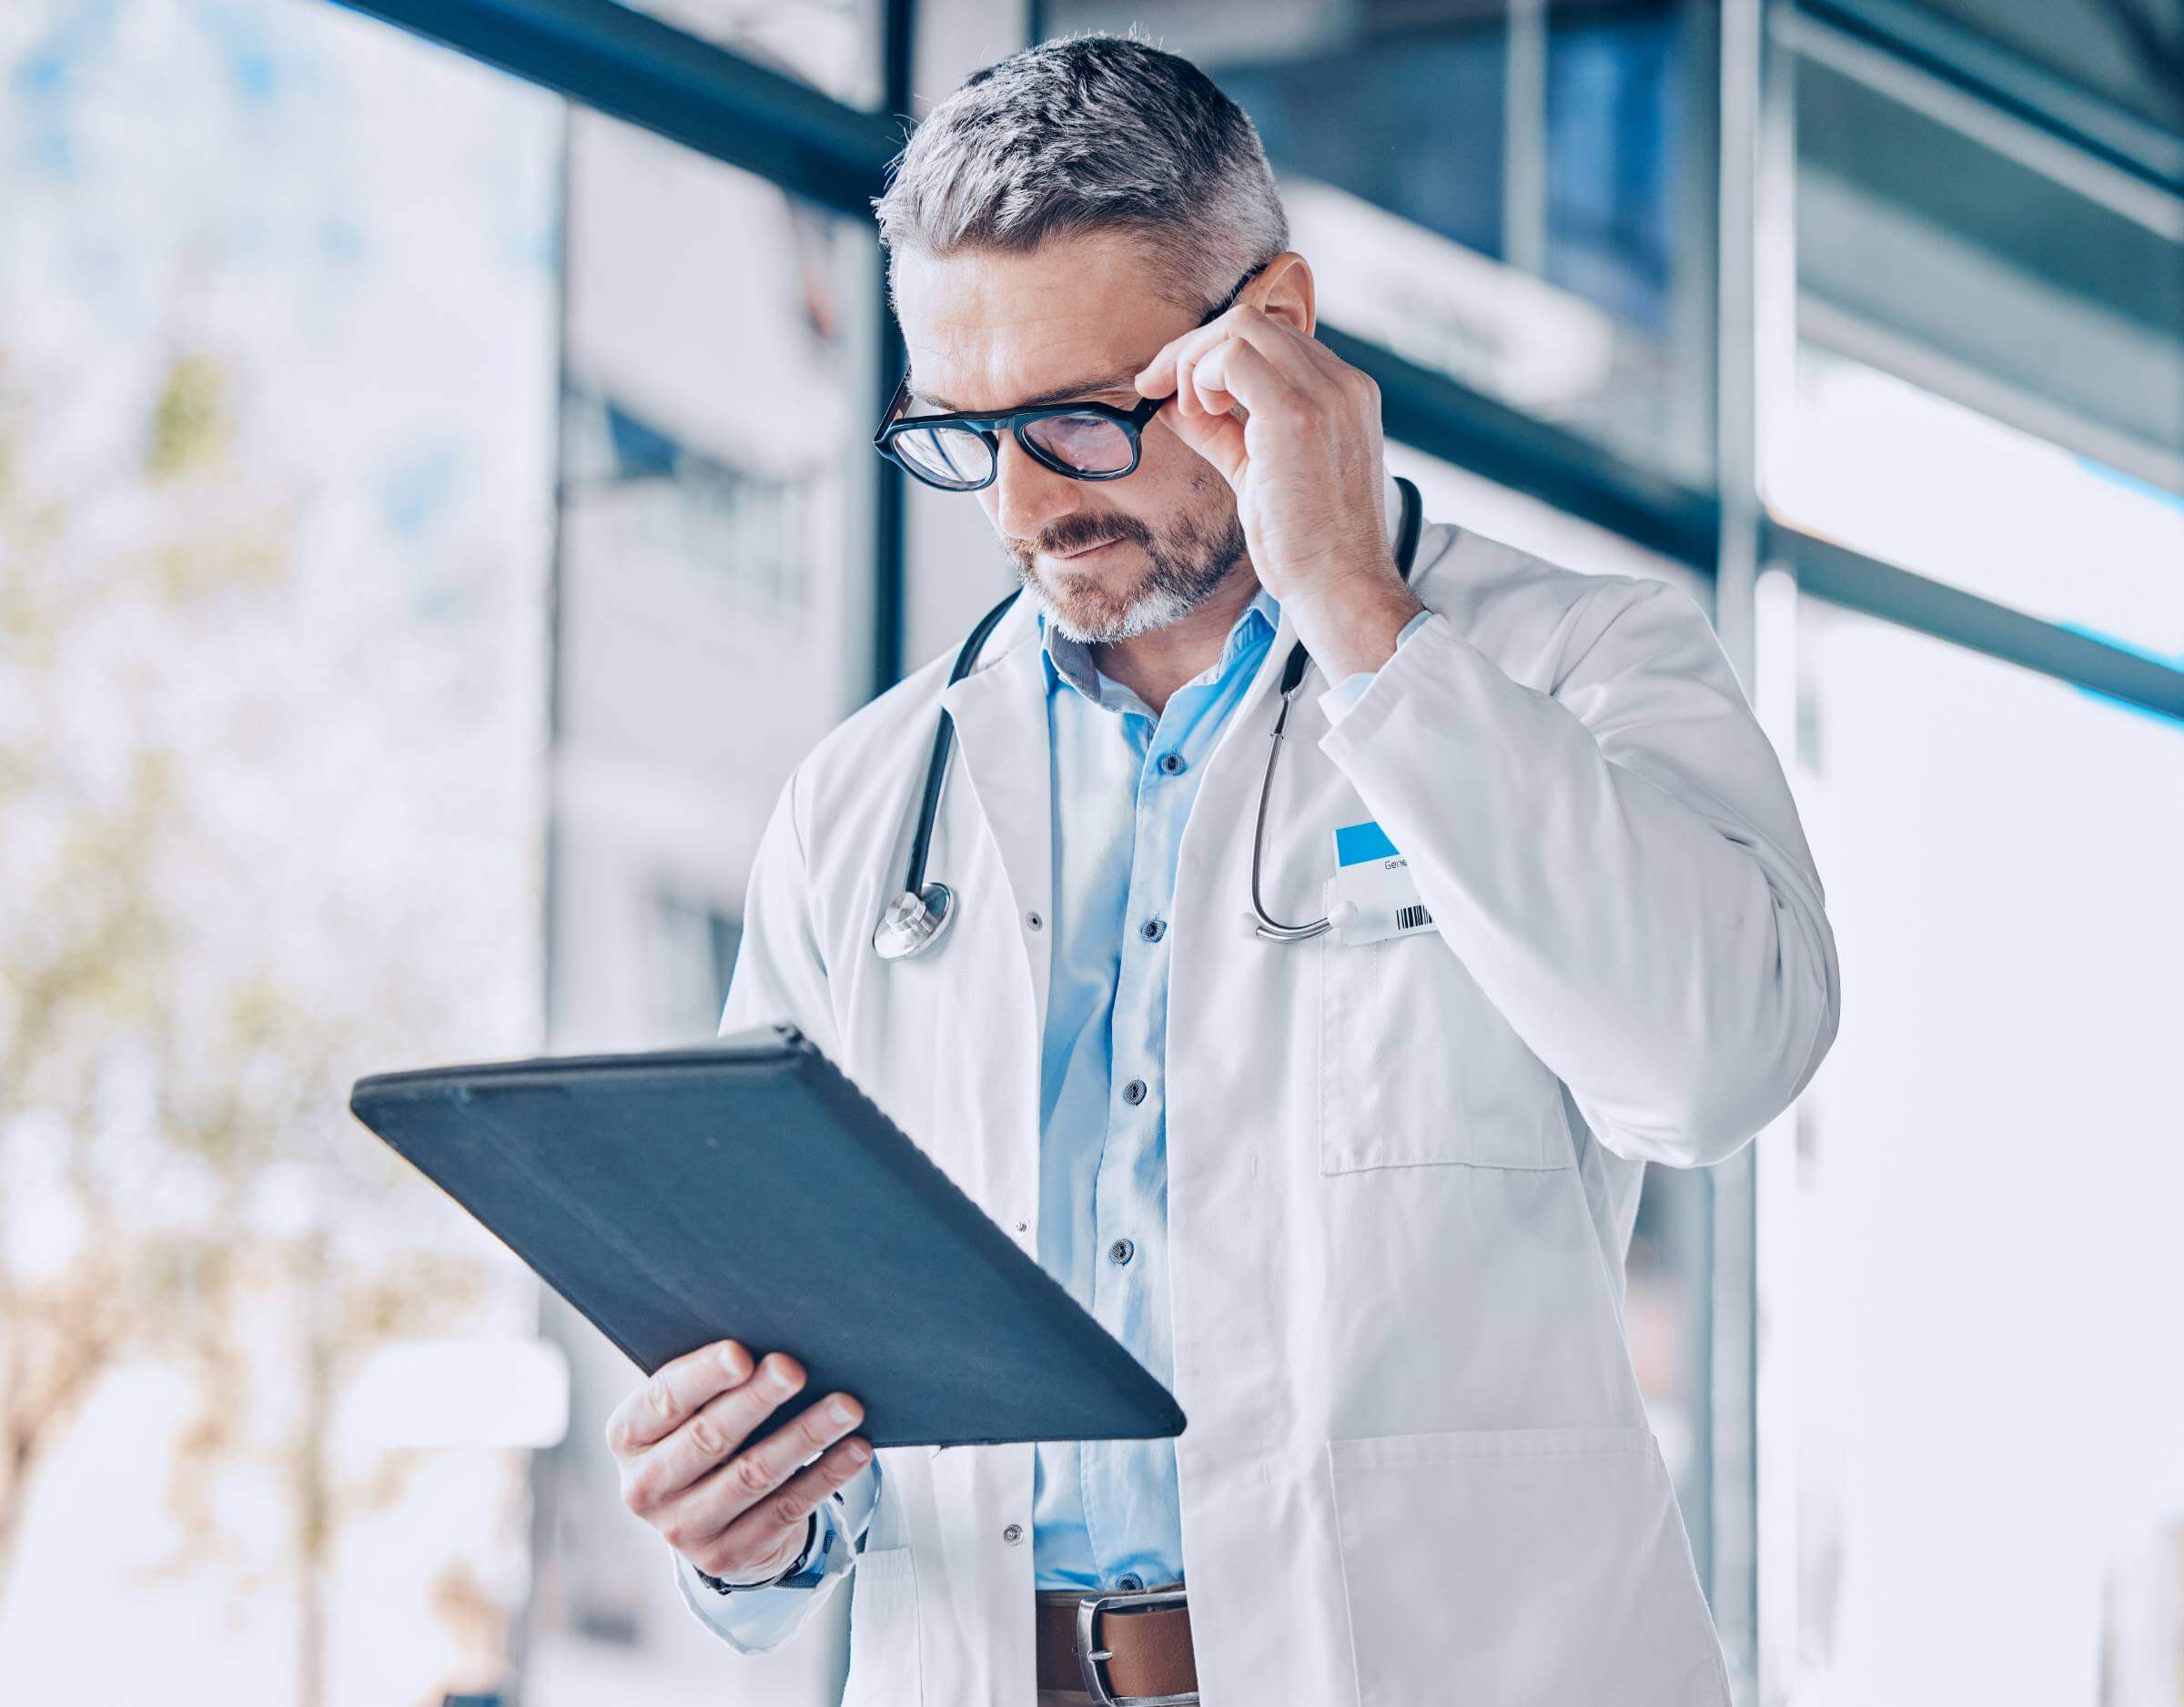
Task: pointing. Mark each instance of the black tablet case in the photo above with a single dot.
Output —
(747, 1189)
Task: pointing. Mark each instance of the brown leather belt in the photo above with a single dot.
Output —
(1139, 1650)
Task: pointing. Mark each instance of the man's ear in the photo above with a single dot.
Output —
(1284, 291)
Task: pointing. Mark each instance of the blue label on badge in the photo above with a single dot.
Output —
(1356, 842)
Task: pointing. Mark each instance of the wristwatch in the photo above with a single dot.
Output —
(802, 1573)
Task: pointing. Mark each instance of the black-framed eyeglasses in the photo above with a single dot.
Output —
(961, 451)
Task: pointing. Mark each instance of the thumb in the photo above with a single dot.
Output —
(1220, 438)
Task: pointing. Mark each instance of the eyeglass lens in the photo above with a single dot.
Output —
(955, 456)
(1092, 444)
(946, 455)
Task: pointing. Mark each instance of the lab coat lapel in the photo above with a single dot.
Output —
(1000, 713)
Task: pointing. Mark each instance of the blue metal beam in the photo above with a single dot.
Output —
(1431, 412)
(2008, 80)
(637, 68)
(1849, 578)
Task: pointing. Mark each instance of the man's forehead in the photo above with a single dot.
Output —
(974, 386)
(1006, 332)
(982, 367)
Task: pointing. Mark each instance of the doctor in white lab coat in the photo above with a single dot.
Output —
(1400, 1175)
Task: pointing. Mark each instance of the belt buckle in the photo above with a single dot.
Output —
(1093, 1659)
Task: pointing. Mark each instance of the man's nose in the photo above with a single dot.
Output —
(1029, 497)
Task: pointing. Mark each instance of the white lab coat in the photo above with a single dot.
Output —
(1402, 1177)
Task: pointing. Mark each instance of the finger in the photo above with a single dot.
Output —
(674, 1391)
(1235, 371)
(757, 1534)
(1302, 360)
(712, 1435)
(1308, 348)
(1220, 438)
(1158, 378)
(763, 1466)
(706, 1442)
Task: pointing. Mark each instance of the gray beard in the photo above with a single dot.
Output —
(1183, 570)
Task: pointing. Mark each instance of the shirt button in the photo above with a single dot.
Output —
(1171, 762)
(1153, 930)
(1134, 1092)
(1035, 920)
(1129, 1582)
(1122, 1250)
(1013, 1533)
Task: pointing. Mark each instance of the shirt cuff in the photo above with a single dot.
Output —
(1335, 702)
(756, 1619)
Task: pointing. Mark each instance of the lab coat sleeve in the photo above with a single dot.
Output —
(1335, 702)
(1618, 863)
(757, 1620)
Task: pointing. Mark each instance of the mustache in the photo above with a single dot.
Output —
(1073, 533)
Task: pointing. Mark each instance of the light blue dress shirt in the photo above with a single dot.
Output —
(1105, 1513)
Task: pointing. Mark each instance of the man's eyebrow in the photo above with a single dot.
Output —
(1060, 394)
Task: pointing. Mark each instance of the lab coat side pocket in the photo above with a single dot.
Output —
(1542, 1566)
(884, 1665)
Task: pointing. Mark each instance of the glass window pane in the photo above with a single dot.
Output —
(1980, 1293)
(277, 320)
(1512, 195)
(1948, 242)
(715, 599)
(1879, 464)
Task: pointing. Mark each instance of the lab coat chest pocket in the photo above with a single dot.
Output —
(1417, 1065)
(884, 1669)
(1546, 1567)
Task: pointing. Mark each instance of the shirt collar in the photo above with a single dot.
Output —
(1070, 660)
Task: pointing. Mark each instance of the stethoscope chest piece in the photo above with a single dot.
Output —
(913, 922)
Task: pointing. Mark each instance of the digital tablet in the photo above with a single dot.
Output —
(746, 1189)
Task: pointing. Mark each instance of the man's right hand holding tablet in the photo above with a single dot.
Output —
(736, 1508)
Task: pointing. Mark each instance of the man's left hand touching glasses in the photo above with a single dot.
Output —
(1296, 433)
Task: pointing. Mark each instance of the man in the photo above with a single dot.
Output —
(1362, 1198)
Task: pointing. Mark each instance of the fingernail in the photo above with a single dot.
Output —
(779, 1382)
(858, 1451)
(736, 1360)
(840, 1413)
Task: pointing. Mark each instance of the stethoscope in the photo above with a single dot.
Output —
(915, 919)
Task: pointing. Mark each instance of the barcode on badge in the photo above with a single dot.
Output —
(1412, 919)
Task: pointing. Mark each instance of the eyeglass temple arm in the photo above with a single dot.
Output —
(895, 407)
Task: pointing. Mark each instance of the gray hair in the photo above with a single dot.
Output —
(1091, 133)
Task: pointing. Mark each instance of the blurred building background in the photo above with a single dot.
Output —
(437, 511)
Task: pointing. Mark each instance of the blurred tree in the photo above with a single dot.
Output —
(196, 951)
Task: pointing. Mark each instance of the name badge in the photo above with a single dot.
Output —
(1372, 895)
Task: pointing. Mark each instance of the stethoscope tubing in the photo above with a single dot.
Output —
(1269, 927)
(944, 742)
(931, 903)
